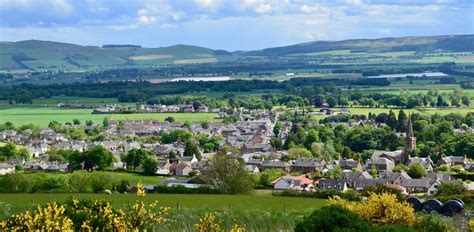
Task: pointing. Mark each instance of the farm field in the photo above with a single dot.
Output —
(442, 111)
(43, 115)
(74, 100)
(236, 203)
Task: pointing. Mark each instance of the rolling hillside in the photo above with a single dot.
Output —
(38, 55)
(35, 54)
(448, 43)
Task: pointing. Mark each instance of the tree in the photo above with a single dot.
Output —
(311, 138)
(335, 172)
(105, 122)
(169, 119)
(399, 168)
(150, 166)
(416, 171)
(465, 100)
(97, 158)
(451, 188)
(440, 102)
(135, 157)
(10, 150)
(296, 153)
(332, 101)
(402, 121)
(89, 123)
(191, 149)
(228, 174)
(392, 120)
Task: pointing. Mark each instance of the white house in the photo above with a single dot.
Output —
(6, 169)
(293, 182)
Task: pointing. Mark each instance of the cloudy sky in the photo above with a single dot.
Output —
(229, 24)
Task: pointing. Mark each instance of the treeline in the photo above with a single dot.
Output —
(141, 90)
(76, 182)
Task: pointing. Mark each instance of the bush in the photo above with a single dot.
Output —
(332, 218)
(380, 188)
(431, 223)
(451, 188)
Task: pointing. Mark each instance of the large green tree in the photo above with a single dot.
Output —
(135, 157)
(228, 174)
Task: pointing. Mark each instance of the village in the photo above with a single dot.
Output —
(251, 137)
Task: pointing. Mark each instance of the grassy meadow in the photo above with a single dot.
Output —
(185, 201)
(256, 212)
(43, 115)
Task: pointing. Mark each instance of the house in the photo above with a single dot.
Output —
(180, 169)
(336, 184)
(308, 165)
(351, 178)
(253, 169)
(300, 183)
(451, 161)
(6, 169)
(189, 160)
(361, 184)
(417, 185)
(440, 176)
(277, 164)
(396, 178)
(187, 183)
(351, 164)
(384, 164)
(425, 162)
(163, 167)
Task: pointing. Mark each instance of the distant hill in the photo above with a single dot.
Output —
(450, 43)
(36, 54)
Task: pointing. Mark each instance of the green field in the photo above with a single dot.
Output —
(43, 115)
(132, 178)
(73, 100)
(21, 202)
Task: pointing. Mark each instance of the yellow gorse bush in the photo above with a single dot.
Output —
(210, 223)
(88, 216)
(49, 218)
(140, 189)
(380, 209)
(141, 216)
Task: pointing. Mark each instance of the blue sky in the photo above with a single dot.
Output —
(229, 24)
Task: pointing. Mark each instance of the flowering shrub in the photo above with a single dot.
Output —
(140, 189)
(380, 209)
(49, 218)
(97, 215)
(209, 223)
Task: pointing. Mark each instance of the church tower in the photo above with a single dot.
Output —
(410, 140)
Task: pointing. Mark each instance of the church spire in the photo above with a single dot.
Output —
(409, 128)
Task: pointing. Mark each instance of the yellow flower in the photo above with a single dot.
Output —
(140, 189)
(380, 209)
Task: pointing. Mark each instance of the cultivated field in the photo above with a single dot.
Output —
(43, 115)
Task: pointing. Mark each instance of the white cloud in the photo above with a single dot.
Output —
(205, 3)
(384, 31)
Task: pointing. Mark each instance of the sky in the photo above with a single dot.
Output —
(229, 24)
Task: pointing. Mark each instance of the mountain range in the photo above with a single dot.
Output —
(38, 55)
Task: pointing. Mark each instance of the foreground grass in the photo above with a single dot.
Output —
(225, 203)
